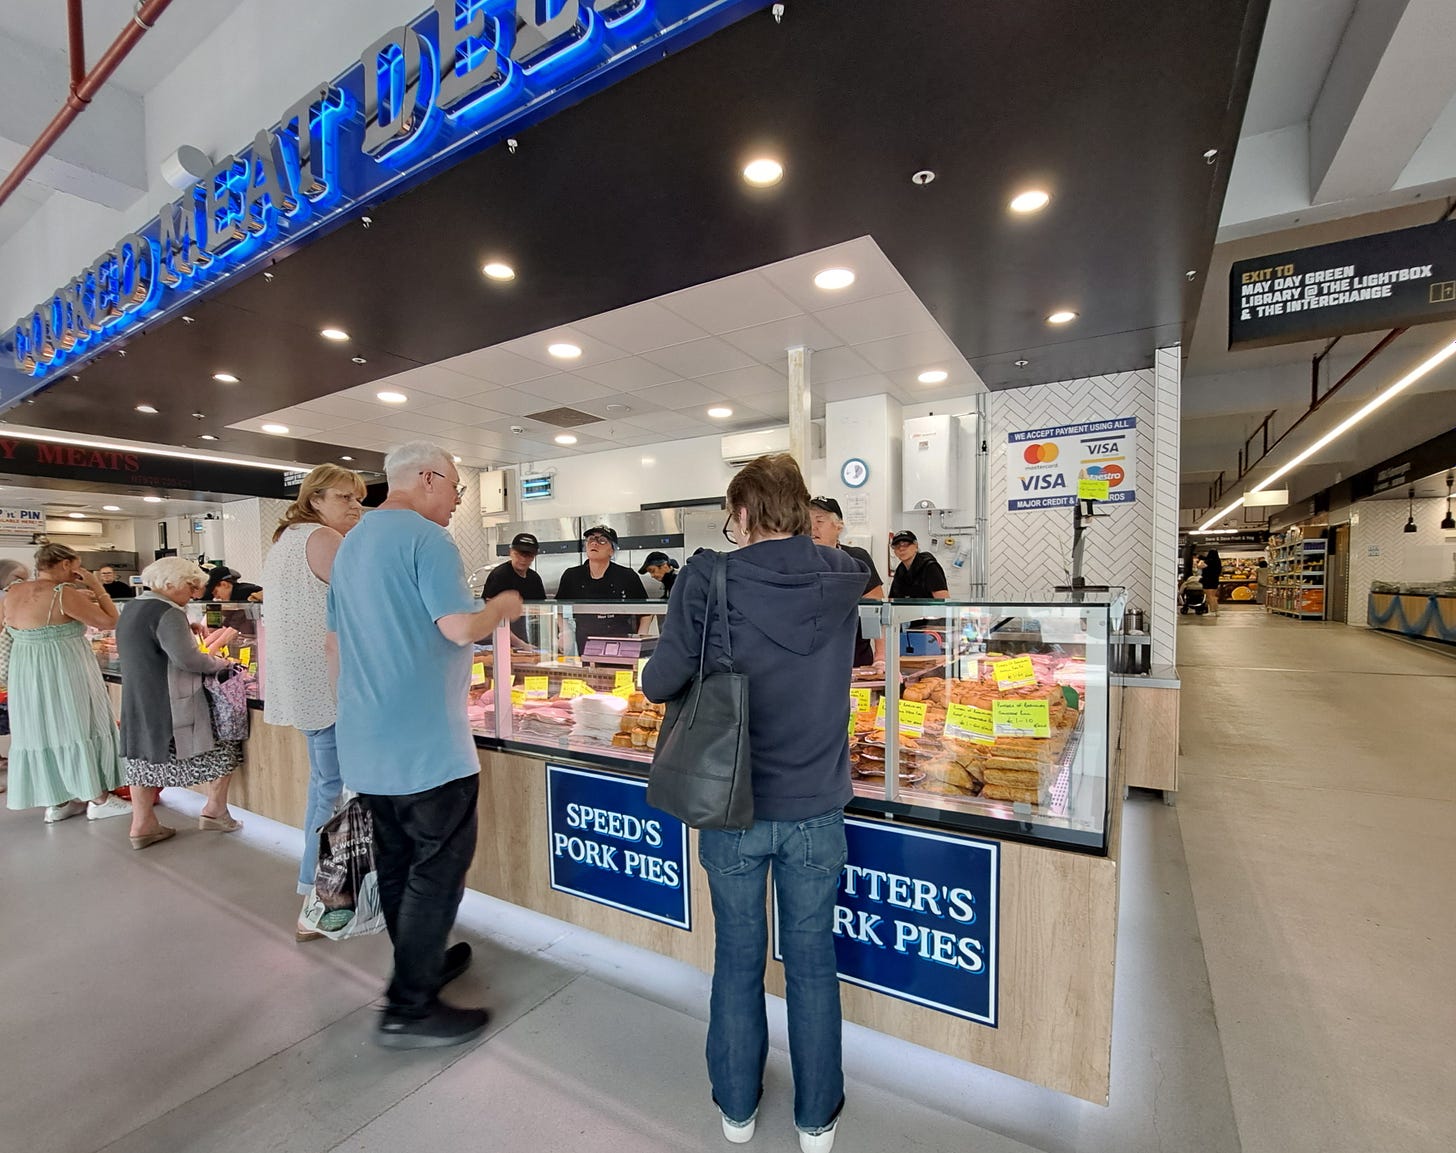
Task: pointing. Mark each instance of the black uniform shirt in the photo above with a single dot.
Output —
(504, 578)
(921, 581)
(864, 652)
(618, 583)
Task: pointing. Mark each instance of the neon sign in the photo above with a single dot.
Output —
(449, 84)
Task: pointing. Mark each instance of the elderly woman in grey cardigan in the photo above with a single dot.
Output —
(166, 724)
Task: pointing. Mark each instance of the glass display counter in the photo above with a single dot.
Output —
(204, 618)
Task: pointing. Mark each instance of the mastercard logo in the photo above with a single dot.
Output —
(1111, 473)
(1040, 453)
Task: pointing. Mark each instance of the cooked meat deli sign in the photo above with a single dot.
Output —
(1390, 280)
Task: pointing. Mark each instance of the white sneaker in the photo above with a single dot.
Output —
(818, 1142)
(739, 1134)
(64, 812)
(113, 806)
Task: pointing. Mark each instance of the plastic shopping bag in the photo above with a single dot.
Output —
(344, 900)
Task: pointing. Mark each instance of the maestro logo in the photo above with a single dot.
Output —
(1040, 453)
(1111, 473)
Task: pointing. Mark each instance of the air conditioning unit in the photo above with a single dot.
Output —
(75, 528)
(741, 447)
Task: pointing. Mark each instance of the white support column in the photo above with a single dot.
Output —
(800, 408)
(1163, 615)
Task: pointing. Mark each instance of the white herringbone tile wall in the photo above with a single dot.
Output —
(466, 525)
(1382, 527)
(1030, 552)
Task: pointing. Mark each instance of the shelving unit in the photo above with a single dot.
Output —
(1297, 580)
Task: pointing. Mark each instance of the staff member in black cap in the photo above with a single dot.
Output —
(661, 568)
(919, 575)
(517, 576)
(599, 579)
(826, 521)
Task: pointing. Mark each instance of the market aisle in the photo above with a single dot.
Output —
(1318, 810)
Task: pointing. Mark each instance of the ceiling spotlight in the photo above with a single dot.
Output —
(392, 397)
(1032, 200)
(199, 416)
(833, 279)
(1064, 316)
(498, 271)
(333, 334)
(358, 360)
(224, 378)
(1022, 363)
(276, 429)
(1410, 524)
(152, 499)
(565, 438)
(111, 508)
(720, 412)
(934, 376)
(189, 320)
(268, 277)
(923, 177)
(76, 515)
(146, 408)
(457, 459)
(349, 458)
(619, 408)
(564, 351)
(1448, 522)
(207, 436)
(1210, 156)
(763, 172)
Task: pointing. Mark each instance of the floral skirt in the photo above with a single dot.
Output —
(179, 773)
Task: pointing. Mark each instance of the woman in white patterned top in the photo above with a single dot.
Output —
(298, 690)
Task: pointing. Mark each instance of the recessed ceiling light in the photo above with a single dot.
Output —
(358, 360)
(619, 408)
(146, 408)
(207, 436)
(276, 429)
(565, 438)
(152, 499)
(457, 459)
(498, 271)
(564, 351)
(224, 378)
(934, 376)
(1032, 200)
(833, 279)
(392, 397)
(346, 458)
(111, 508)
(76, 515)
(1022, 363)
(333, 334)
(720, 412)
(763, 172)
(1064, 316)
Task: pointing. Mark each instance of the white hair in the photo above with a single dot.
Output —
(173, 573)
(404, 464)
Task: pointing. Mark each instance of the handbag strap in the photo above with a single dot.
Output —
(720, 592)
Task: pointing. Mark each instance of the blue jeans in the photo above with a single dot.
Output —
(807, 857)
(324, 787)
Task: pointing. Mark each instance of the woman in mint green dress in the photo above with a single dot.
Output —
(65, 750)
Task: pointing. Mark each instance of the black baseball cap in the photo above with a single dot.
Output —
(904, 536)
(828, 504)
(602, 530)
(524, 542)
(655, 558)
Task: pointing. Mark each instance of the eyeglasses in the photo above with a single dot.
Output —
(597, 538)
(729, 532)
(459, 488)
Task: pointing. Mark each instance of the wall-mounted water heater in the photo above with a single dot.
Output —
(930, 452)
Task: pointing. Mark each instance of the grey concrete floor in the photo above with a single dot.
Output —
(156, 1001)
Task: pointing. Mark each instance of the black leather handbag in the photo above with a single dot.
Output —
(701, 771)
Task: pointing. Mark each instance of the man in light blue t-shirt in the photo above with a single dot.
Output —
(402, 620)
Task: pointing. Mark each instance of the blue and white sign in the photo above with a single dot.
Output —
(608, 845)
(917, 918)
(1043, 465)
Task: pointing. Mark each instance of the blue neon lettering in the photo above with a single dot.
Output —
(471, 71)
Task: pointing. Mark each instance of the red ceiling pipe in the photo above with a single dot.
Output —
(76, 33)
(82, 91)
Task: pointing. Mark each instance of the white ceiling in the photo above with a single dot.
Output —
(1300, 39)
(650, 371)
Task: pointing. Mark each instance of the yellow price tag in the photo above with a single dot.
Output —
(477, 673)
(969, 723)
(1021, 718)
(518, 696)
(225, 651)
(624, 685)
(912, 718)
(574, 688)
(245, 656)
(538, 687)
(1093, 489)
(880, 714)
(859, 700)
(1015, 673)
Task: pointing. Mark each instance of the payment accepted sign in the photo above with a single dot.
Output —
(1043, 465)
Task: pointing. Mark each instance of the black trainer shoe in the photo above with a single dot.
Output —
(445, 1025)
(457, 960)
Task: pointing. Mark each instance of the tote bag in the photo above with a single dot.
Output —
(701, 769)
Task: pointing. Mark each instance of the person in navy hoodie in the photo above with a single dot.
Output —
(792, 616)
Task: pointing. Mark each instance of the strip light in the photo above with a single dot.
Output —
(1415, 374)
(167, 452)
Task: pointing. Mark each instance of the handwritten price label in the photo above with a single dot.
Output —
(859, 700)
(574, 688)
(1014, 674)
(912, 718)
(518, 696)
(969, 723)
(624, 686)
(1093, 489)
(477, 673)
(245, 657)
(538, 687)
(1021, 718)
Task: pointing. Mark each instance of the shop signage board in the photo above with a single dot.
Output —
(1044, 466)
(917, 917)
(22, 520)
(130, 468)
(609, 846)
(1389, 280)
(460, 77)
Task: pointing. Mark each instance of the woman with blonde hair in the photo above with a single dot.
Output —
(300, 691)
(63, 750)
(166, 719)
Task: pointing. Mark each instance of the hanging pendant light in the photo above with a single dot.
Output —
(1448, 522)
(1410, 523)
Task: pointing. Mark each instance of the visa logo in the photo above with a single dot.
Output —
(1042, 482)
(1102, 448)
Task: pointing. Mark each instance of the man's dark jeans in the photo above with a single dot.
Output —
(423, 845)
